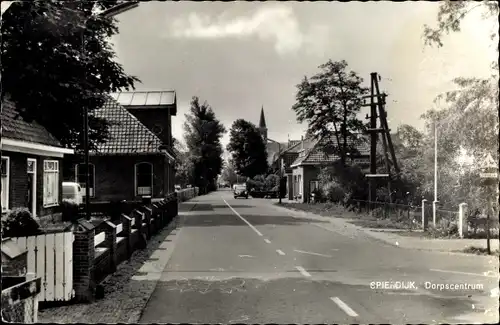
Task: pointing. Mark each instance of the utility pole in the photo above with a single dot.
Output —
(110, 12)
(386, 138)
(373, 142)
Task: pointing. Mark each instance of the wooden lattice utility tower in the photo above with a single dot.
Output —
(377, 100)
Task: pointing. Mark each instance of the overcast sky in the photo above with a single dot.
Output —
(240, 56)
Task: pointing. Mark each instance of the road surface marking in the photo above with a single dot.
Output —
(279, 251)
(302, 271)
(245, 255)
(267, 240)
(342, 305)
(245, 220)
(466, 273)
(311, 253)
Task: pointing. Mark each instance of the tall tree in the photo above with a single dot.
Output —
(183, 166)
(469, 118)
(248, 150)
(57, 61)
(330, 101)
(451, 15)
(203, 133)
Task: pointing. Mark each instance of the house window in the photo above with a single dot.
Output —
(313, 185)
(81, 173)
(143, 179)
(50, 183)
(5, 183)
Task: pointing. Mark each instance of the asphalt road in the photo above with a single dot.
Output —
(245, 261)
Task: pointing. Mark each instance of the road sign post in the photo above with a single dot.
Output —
(489, 177)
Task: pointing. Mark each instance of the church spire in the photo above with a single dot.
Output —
(262, 122)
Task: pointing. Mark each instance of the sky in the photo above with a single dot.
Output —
(241, 56)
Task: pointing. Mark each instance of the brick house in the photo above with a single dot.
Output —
(303, 163)
(137, 160)
(31, 165)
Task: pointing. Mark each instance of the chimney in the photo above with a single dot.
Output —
(302, 142)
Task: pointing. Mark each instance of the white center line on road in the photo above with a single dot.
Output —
(465, 273)
(245, 220)
(342, 305)
(302, 271)
(267, 240)
(279, 251)
(311, 253)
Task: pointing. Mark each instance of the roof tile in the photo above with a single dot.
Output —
(14, 127)
(313, 154)
(127, 135)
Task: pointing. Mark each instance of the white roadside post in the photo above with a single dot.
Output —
(463, 227)
(424, 217)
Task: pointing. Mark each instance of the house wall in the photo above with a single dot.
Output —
(18, 182)
(151, 117)
(115, 177)
(307, 173)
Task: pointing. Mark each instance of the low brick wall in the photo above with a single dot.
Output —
(121, 251)
(101, 265)
(99, 247)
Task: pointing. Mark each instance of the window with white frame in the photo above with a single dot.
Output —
(144, 179)
(81, 174)
(50, 182)
(5, 183)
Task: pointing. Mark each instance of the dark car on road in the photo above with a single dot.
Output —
(240, 191)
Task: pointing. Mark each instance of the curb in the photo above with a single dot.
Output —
(134, 319)
(370, 233)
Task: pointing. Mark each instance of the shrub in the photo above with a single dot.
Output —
(334, 192)
(444, 228)
(20, 223)
(319, 195)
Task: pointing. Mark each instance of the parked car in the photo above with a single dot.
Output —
(72, 192)
(240, 191)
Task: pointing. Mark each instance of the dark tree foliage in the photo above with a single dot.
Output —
(203, 133)
(57, 61)
(248, 149)
(330, 101)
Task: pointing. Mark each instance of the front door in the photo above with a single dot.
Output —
(31, 195)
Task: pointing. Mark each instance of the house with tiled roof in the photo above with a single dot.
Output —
(309, 156)
(136, 161)
(31, 165)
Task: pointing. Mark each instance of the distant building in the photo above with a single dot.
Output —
(303, 162)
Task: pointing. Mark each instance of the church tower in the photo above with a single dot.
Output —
(262, 125)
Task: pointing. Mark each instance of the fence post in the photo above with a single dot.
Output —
(463, 226)
(137, 215)
(425, 219)
(83, 261)
(109, 229)
(127, 231)
(148, 213)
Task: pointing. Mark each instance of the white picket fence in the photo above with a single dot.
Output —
(50, 257)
